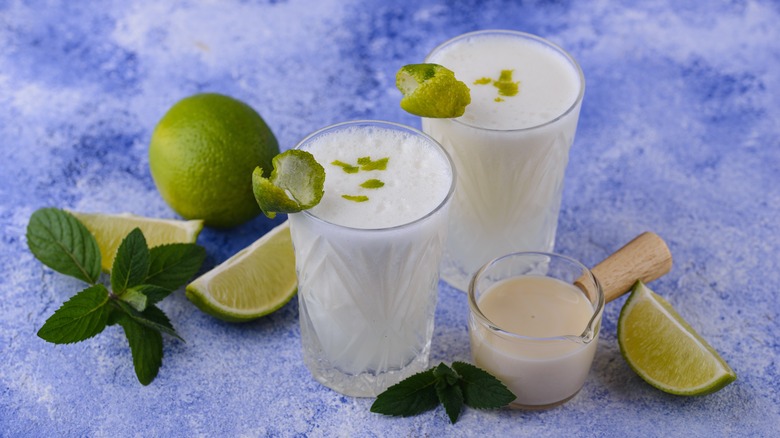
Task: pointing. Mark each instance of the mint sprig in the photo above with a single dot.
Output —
(462, 384)
(140, 278)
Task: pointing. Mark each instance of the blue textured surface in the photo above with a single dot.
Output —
(679, 134)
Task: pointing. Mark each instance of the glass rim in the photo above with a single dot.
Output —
(394, 126)
(589, 332)
(529, 36)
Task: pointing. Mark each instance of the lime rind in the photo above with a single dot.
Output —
(296, 184)
(432, 90)
(661, 362)
(249, 285)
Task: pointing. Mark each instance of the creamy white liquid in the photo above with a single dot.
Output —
(538, 372)
(510, 179)
(368, 274)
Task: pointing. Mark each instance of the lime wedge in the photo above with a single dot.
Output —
(256, 281)
(431, 90)
(110, 229)
(295, 184)
(664, 350)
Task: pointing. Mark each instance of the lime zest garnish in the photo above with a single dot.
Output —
(348, 168)
(431, 90)
(367, 164)
(364, 164)
(372, 184)
(505, 85)
(355, 198)
(296, 183)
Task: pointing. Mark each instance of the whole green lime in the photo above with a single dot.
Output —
(202, 154)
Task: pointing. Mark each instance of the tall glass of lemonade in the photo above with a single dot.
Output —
(368, 254)
(511, 146)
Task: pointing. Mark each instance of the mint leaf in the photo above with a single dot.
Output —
(145, 346)
(450, 397)
(131, 264)
(445, 373)
(171, 266)
(448, 391)
(452, 387)
(136, 298)
(115, 314)
(480, 389)
(413, 395)
(154, 294)
(81, 317)
(64, 244)
(152, 317)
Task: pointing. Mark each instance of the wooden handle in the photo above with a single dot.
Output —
(645, 258)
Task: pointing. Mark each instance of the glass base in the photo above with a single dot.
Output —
(366, 384)
(525, 407)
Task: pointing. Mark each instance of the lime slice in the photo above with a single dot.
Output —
(431, 90)
(256, 281)
(295, 184)
(664, 350)
(110, 229)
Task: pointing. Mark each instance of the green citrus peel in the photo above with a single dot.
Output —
(364, 164)
(372, 184)
(505, 85)
(431, 90)
(296, 184)
(367, 164)
(355, 198)
(348, 168)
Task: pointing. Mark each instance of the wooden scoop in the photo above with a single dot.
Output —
(645, 258)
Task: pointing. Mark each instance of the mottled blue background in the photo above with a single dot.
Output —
(679, 134)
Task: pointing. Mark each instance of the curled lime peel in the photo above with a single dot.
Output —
(295, 184)
(432, 90)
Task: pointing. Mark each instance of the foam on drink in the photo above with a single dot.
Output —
(416, 179)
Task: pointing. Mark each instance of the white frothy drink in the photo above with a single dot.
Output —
(368, 254)
(510, 151)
